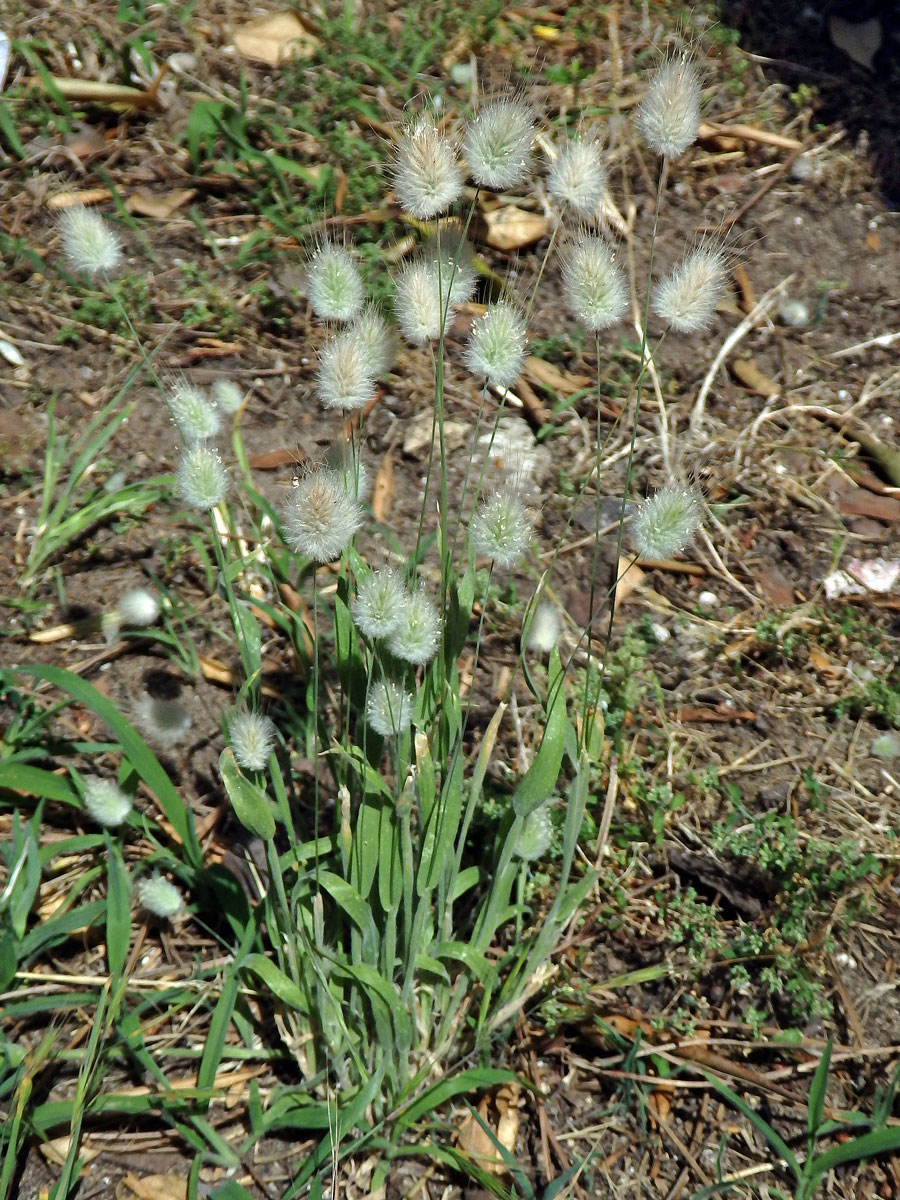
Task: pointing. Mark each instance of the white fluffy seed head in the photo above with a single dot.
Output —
(415, 638)
(375, 336)
(106, 803)
(88, 241)
(164, 721)
(593, 285)
(138, 607)
(500, 528)
(577, 180)
(321, 516)
(496, 348)
(227, 395)
(333, 284)
(427, 178)
(688, 297)
(545, 627)
(202, 478)
(345, 379)
(252, 737)
(535, 835)
(195, 415)
(666, 521)
(389, 708)
(159, 897)
(417, 303)
(497, 144)
(380, 597)
(669, 115)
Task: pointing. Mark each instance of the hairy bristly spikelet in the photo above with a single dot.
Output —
(106, 803)
(88, 241)
(321, 516)
(415, 638)
(380, 596)
(333, 284)
(497, 144)
(159, 897)
(426, 174)
(389, 708)
(345, 379)
(202, 478)
(666, 521)
(195, 415)
(669, 115)
(500, 528)
(577, 180)
(496, 349)
(252, 736)
(593, 285)
(687, 298)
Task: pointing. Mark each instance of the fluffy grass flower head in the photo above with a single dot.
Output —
(88, 241)
(380, 598)
(577, 180)
(159, 897)
(164, 721)
(321, 516)
(106, 803)
(666, 521)
(389, 708)
(426, 175)
(138, 607)
(593, 285)
(497, 144)
(374, 334)
(195, 415)
(228, 395)
(496, 349)
(417, 303)
(202, 479)
(252, 737)
(416, 635)
(688, 297)
(535, 835)
(333, 284)
(500, 528)
(345, 378)
(669, 115)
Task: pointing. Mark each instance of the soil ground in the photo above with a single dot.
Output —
(748, 700)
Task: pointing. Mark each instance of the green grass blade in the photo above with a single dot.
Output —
(778, 1144)
(118, 907)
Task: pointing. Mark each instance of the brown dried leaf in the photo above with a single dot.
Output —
(275, 38)
(146, 204)
(511, 228)
(74, 199)
(630, 576)
(499, 1111)
(547, 375)
(152, 1187)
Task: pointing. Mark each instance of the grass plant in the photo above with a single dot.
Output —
(383, 950)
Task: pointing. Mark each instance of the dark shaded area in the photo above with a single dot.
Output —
(804, 40)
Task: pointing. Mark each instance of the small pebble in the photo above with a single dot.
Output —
(708, 601)
(660, 632)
